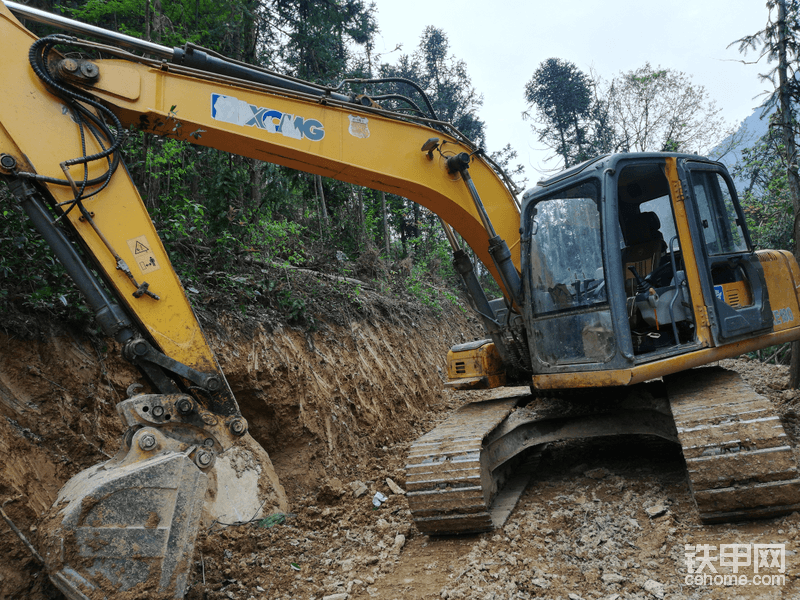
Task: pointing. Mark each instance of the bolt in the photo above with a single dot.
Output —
(203, 459)
(184, 406)
(238, 427)
(140, 348)
(209, 419)
(158, 411)
(147, 442)
(8, 162)
(69, 65)
(208, 443)
(213, 383)
(89, 70)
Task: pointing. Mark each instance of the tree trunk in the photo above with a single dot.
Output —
(147, 20)
(787, 131)
(363, 238)
(417, 218)
(157, 29)
(323, 210)
(385, 217)
(256, 167)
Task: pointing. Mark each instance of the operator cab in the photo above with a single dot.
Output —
(622, 255)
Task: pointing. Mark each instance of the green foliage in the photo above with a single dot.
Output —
(272, 520)
(316, 38)
(661, 110)
(444, 79)
(31, 279)
(432, 279)
(644, 110)
(561, 94)
(766, 200)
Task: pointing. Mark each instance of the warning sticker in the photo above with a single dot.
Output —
(143, 256)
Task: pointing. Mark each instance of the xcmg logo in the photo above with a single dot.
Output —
(238, 112)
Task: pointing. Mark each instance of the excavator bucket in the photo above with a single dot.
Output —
(128, 525)
(127, 528)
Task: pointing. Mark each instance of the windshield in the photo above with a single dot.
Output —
(571, 318)
(566, 253)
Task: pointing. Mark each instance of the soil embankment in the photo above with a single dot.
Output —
(320, 403)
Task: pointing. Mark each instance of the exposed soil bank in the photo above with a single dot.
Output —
(320, 403)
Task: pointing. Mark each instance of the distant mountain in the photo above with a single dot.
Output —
(729, 152)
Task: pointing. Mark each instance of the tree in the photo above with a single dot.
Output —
(766, 199)
(503, 158)
(779, 42)
(317, 39)
(561, 95)
(444, 79)
(661, 110)
(644, 110)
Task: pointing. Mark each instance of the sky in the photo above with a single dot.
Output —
(503, 42)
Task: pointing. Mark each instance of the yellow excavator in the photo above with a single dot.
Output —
(619, 277)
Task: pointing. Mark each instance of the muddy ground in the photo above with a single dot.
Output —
(340, 406)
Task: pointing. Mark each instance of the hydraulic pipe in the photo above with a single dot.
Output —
(498, 248)
(189, 56)
(117, 39)
(111, 318)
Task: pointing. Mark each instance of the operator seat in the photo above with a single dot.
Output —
(645, 246)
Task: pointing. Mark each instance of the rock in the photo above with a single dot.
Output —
(656, 511)
(612, 597)
(610, 578)
(399, 542)
(574, 597)
(336, 597)
(347, 565)
(382, 525)
(396, 489)
(359, 489)
(655, 588)
(330, 492)
(598, 473)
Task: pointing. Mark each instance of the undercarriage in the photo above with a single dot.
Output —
(466, 475)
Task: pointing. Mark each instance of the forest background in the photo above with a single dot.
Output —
(237, 230)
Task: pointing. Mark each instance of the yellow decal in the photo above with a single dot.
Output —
(143, 256)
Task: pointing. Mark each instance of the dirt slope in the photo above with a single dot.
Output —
(320, 403)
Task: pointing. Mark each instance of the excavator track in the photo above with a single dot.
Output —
(450, 487)
(738, 456)
(737, 453)
(467, 474)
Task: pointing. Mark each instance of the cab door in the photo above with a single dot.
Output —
(730, 272)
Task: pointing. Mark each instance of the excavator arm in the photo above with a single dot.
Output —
(129, 525)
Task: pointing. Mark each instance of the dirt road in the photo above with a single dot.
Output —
(601, 519)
